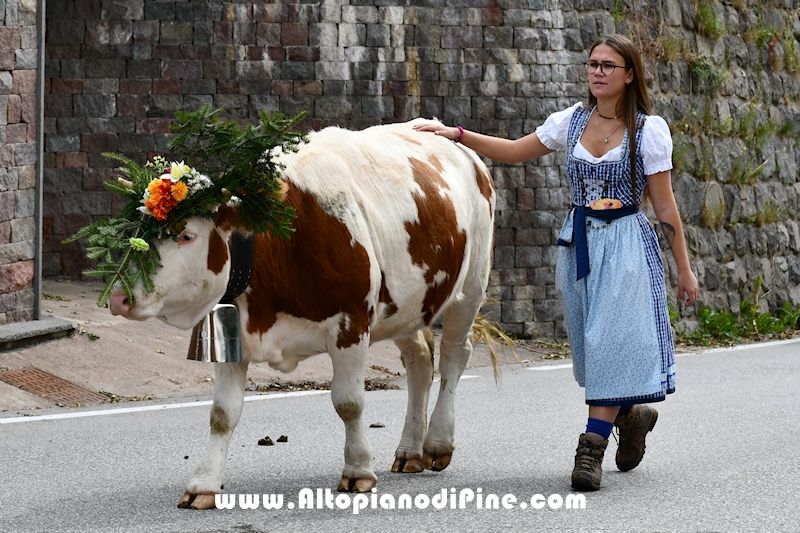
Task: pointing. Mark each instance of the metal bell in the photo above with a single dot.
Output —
(216, 339)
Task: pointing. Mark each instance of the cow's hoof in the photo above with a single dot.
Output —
(436, 462)
(197, 501)
(408, 466)
(356, 484)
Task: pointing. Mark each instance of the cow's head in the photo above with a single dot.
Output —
(192, 279)
(173, 201)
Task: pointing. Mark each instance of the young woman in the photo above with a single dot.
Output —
(609, 273)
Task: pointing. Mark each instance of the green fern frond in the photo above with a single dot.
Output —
(96, 252)
(85, 231)
(105, 294)
(100, 271)
(120, 189)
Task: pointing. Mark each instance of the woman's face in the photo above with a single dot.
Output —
(608, 86)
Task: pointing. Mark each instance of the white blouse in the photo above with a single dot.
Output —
(656, 145)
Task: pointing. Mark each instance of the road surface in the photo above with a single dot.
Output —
(723, 457)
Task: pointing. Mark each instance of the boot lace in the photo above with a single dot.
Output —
(629, 423)
(589, 455)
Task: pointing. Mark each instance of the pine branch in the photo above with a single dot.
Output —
(105, 294)
(96, 252)
(85, 231)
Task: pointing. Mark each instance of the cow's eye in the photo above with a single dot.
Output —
(186, 237)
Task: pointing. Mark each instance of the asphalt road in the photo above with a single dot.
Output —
(723, 457)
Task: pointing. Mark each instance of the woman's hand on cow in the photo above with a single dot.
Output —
(440, 129)
(497, 148)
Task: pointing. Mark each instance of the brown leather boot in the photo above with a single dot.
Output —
(633, 428)
(588, 469)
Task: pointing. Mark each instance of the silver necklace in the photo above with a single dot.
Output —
(601, 128)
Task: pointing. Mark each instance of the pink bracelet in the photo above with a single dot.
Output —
(460, 134)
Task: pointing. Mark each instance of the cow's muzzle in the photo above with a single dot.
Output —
(119, 304)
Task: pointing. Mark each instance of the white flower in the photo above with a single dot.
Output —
(198, 181)
(178, 170)
(146, 211)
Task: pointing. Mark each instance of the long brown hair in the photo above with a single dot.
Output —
(635, 98)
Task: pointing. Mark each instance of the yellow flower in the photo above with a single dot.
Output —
(178, 170)
(179, 190)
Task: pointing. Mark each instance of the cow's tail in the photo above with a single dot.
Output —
(490, 333)
(430, 341)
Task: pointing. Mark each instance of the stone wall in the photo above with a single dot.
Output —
(18, 152)
(117, 72)
(728, 81)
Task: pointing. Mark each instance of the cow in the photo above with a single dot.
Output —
(393, 230)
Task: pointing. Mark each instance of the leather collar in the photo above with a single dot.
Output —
(242, 251)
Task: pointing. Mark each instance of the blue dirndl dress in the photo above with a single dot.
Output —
(616, 317)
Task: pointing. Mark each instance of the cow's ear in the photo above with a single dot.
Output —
(227, 218)
(176, 227)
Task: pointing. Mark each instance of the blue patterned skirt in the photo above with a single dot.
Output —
(616, 317)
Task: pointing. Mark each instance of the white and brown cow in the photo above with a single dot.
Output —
(393, 229)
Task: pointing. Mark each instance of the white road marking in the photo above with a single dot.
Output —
(710, 350)
(749, 346)
(142, 408)
(462, 377)
(550, 367)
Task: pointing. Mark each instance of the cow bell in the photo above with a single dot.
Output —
(216, 339)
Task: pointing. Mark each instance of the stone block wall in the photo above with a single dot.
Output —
(727, 79)
(18, 152)
(117, 72)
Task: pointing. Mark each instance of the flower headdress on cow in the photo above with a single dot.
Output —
(237, 170)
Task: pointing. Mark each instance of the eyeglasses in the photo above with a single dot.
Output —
(606, 68)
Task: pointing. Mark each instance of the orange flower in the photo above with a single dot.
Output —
(161, 201)
(179, 191)
(159, 186)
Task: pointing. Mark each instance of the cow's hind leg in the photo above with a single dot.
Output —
(347, 394)
(225, 413)
(418, 360)
(455, 349)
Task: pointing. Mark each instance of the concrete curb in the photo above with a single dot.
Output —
(24, 333)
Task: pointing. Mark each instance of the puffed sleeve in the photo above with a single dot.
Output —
(555, 130)
(656, 145)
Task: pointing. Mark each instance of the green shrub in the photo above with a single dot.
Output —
(707, 21)
(710, 78)
(722, 327)
(714, 217)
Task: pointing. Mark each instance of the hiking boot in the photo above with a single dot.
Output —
(633, 428)
(589, 462)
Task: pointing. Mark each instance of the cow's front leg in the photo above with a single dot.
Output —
(225, 412)
(418, 360)
(455, 349)
(347, 393)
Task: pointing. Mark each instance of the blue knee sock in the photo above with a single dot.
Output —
(601, 427)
